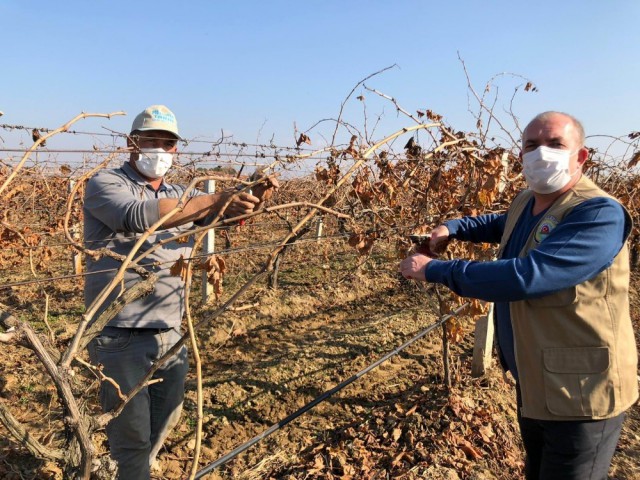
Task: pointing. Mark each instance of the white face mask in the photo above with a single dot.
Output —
(154, 162)
(546, 169)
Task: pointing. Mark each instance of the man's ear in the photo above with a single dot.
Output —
(132, 148)
(133, 140)
(583, 155)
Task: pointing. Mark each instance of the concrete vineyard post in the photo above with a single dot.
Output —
(208, 247)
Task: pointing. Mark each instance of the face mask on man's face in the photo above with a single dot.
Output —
(154, 162)
(546, 169)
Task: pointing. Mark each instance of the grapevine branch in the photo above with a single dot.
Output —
(44, 138)
(106, 417)
(25, 335)
(344, 102)
(20, 432)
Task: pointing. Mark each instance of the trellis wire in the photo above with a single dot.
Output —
(336, 237)
(208, 155)
(276, 426)
(113, 134)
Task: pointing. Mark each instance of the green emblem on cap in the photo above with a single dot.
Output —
(159, 116)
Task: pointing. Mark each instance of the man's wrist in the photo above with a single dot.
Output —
(432, 270)
(452, 226)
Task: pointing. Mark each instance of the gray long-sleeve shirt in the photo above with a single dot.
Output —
(119, 205)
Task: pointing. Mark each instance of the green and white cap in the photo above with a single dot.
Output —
(156, 117)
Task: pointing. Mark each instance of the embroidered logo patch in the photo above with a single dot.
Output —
(543, 231)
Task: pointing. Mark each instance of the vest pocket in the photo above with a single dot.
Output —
(577, 383)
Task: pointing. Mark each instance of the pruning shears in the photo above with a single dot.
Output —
(421, 243)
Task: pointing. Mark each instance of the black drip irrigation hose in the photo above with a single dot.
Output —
(245, 446)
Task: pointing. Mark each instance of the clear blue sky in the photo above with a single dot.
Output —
(253, 68)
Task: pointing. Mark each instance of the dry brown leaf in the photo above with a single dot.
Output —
(355, 239)
(329, 176)
(179, 269)
(35, 135)
(351, 149)
(215, 262)
(318, 465)
(303, 138)
(362, 243)
(15, 190)
(431, 115)
(322, 174)
(215, 266)
(51, 470)
(411, 439)
(396, 461)
(486, 432)
(411, 411)
(412, 149)
(477, 308)
(455, 332)
(488, 192)
(471, 451)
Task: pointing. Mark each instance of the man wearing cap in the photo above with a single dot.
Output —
(119, 205)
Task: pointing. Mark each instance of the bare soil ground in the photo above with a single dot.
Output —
(319, 328)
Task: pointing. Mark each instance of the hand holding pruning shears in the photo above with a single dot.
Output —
(428, 248)
(262, 191)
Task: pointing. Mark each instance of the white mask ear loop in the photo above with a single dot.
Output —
(579, 168)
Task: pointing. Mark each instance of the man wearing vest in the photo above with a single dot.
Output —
(560, 287)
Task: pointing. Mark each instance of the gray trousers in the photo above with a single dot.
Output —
(137, 434)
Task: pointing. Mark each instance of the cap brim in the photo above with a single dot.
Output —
(142, 129)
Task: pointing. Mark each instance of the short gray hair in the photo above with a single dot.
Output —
(545, 115)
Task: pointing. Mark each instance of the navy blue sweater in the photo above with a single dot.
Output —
(582, 245)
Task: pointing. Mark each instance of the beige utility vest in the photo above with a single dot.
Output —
(575, 349)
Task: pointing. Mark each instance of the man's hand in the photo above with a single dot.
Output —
(264, 190)
(439, 239)
(199, 206)
(241, 204)
(414, 266)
